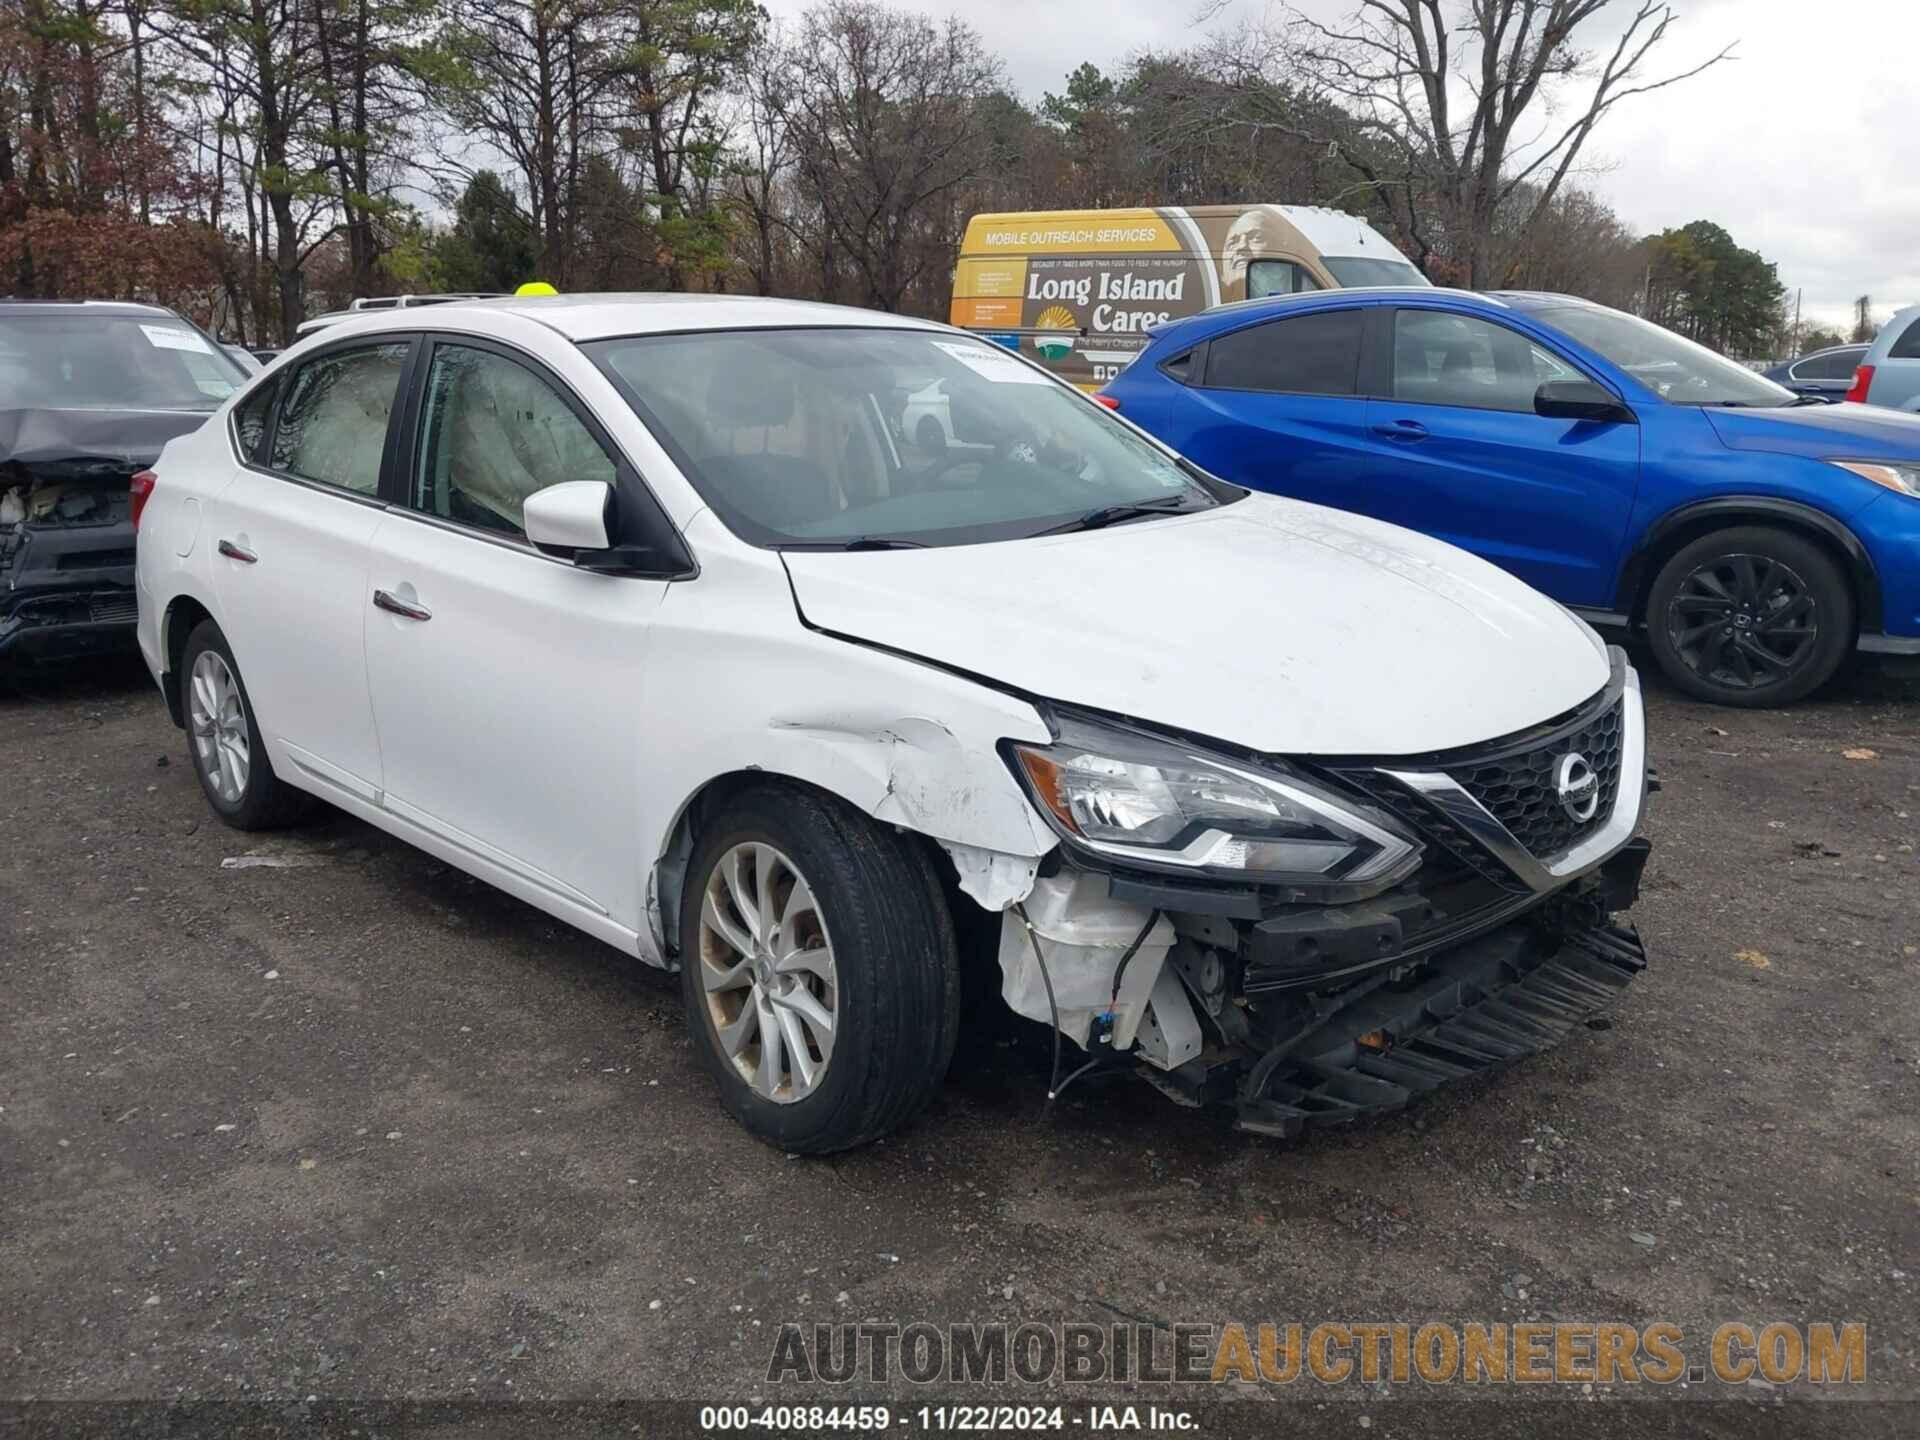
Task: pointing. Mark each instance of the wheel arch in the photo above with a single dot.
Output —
(183, 614)
(666, 880)
(1681, 527)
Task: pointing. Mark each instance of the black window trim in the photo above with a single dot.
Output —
(630, 486)
(261, 462)
(1196, 358)
(1359, 308)
(1385, 339)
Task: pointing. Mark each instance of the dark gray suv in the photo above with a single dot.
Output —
(89, 393)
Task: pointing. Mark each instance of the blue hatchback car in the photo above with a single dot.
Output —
(1636, 477)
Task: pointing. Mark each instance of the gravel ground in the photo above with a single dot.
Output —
(365, 1128)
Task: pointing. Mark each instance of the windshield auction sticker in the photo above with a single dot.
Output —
(994, 363)
(173, 337)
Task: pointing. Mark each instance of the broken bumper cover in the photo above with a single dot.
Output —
(62, 625)
(1470, 1010)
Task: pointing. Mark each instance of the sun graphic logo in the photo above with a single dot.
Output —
(1056, 347)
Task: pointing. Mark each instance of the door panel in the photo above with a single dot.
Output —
(1546, 499)
(306, 580)
(1278, 408)
(502, 722)
(290, 559)
(1473, 465)
(499, 675)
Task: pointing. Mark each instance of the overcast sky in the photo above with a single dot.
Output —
(1806, 147)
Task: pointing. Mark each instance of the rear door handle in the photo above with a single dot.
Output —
(405, 609)
(1401, 430)
(234, 552)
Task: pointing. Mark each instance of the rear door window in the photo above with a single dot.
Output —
(1906, 346)
(1317, 354)
(333, 423)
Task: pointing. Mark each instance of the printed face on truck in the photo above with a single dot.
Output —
(1254, 234)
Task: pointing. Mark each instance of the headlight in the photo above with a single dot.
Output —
(1159, 802)
(1901, 475)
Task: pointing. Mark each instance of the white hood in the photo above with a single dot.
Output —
(1272, 624)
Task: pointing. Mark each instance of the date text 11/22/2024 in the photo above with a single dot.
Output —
(879, 1418)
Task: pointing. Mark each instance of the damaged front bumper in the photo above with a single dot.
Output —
(66, 570)
(66, 624)
(1297, 1014)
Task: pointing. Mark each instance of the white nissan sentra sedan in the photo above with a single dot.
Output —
(651, 611)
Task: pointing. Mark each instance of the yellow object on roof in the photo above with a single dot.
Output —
(536, 287)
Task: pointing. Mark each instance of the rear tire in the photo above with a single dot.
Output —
(223, 739)
(1750, 616)
(798, 911)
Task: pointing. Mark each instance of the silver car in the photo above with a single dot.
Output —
(1889, 372)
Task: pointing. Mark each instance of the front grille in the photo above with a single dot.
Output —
(114, 610)
(1518, 789)
(1433, 827)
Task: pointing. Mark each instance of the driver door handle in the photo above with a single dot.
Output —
(1401, 430)
(393, 605)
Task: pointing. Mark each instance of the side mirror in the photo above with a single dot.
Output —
(566, 518)
(575, 521)
(1580, 400)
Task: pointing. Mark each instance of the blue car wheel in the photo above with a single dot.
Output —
(1750, 616)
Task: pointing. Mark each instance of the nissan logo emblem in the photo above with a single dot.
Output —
(1578, 787)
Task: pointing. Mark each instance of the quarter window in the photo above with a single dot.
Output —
(333, 423)
(1442, 359)
(492, 433)
(250, 419)
(1316, 354)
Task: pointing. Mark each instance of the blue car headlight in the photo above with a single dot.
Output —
(1898, 475)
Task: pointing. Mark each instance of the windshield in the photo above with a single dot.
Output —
(76, 360)
(1356, 270)
(874, 437)
(1672, 366)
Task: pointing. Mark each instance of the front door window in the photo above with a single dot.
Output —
(492, 432)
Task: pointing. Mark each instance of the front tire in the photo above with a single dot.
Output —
(1750, 617)
(820, 972)
(223, 739)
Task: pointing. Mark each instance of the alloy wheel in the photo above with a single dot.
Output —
(1745, 622)
(218, 723)
(767, 971)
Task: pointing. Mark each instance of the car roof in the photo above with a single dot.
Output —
(602, 316)
(10, 305)
(1207, 322)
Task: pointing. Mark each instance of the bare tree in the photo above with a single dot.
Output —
(266, 51)
(763, 156)
(1435, 93)
(886, 115)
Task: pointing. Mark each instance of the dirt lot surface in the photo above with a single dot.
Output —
(364, 1128)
